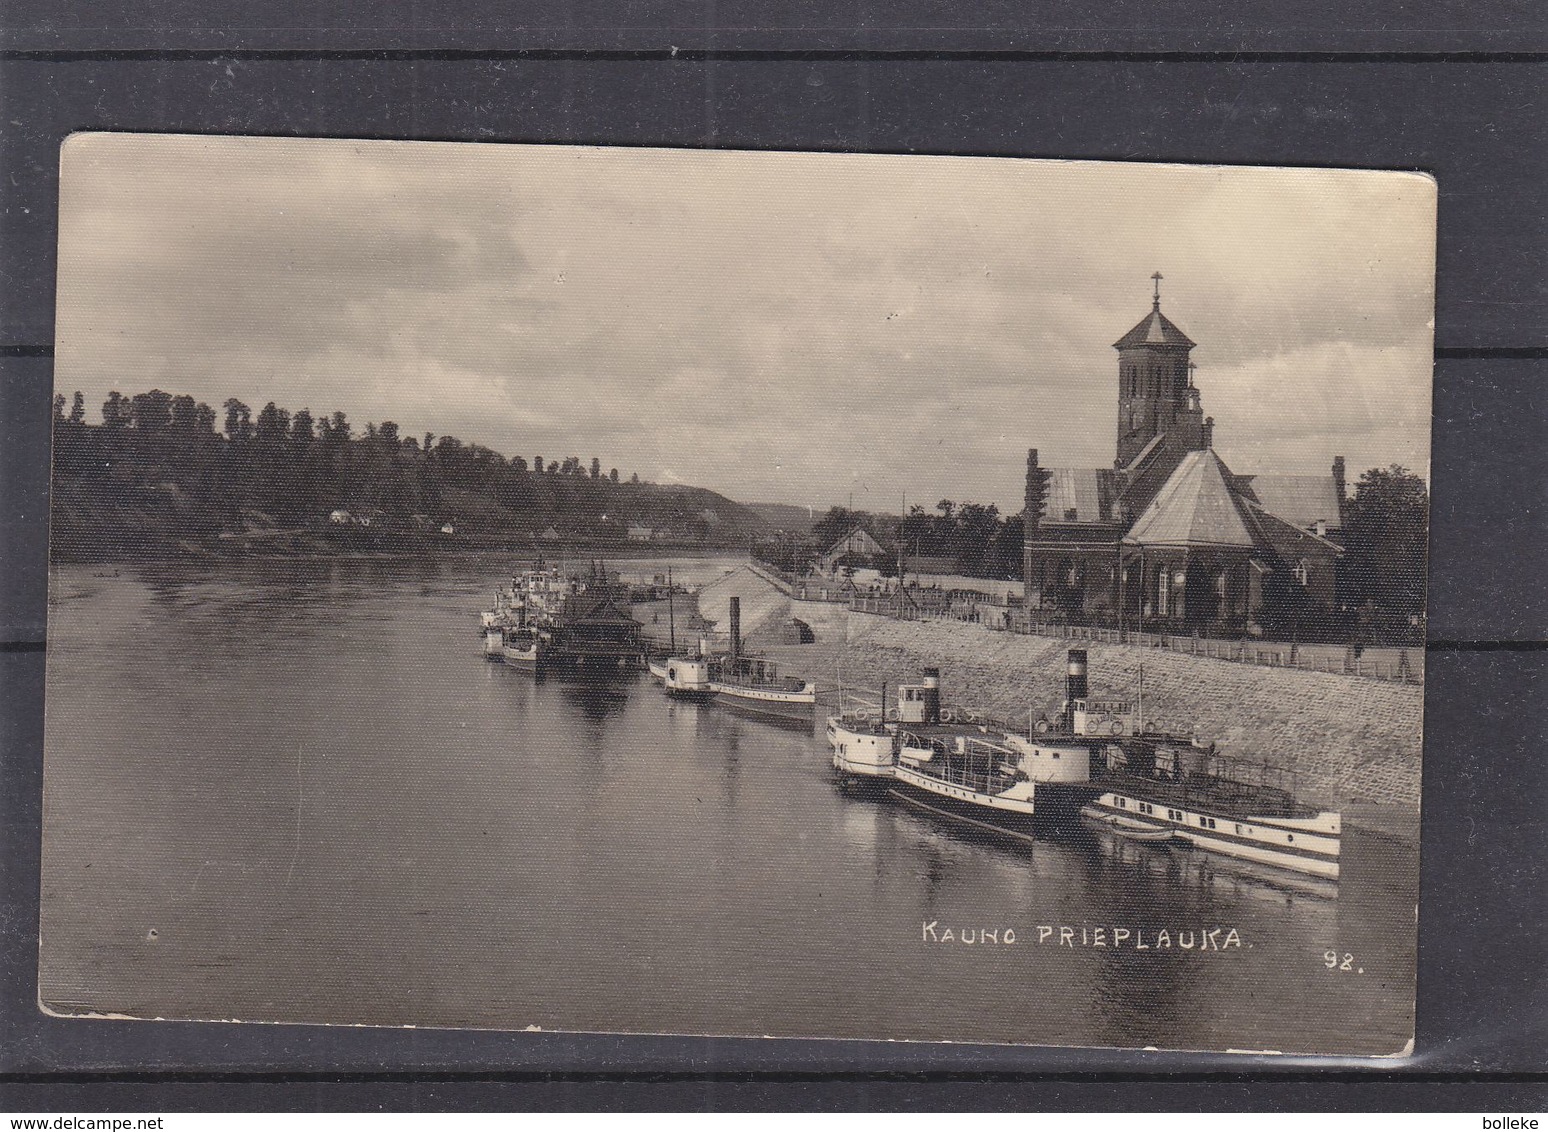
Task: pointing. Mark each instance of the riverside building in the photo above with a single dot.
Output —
(1169, 538)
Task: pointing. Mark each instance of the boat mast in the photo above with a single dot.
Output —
(671, 618)
(1140, 722)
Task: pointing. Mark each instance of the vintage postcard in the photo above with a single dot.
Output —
(737, 593)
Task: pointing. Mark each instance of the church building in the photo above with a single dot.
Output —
(1169, 538)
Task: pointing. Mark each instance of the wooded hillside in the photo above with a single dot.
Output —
(164, 472)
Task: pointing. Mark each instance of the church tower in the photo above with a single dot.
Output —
(1156, 395)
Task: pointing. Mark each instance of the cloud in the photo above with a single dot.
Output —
(776, 326)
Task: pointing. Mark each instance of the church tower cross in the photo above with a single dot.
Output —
(1155, 302)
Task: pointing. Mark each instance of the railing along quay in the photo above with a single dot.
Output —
(1404, 669)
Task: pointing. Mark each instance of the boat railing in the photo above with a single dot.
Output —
(862, 722)
(979, 782)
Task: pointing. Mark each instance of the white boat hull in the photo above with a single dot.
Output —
(862, 756)
(794, 707)
(1304, 845)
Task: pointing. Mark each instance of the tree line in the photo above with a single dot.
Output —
(973, 539)
(164, 465)
(1381, 576)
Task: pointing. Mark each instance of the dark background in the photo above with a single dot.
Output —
(1450, 88)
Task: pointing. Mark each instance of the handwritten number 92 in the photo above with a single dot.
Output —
(1333, 961)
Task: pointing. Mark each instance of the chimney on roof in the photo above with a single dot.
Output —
(1034, 500)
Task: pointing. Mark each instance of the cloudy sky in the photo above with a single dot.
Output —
(775, 326)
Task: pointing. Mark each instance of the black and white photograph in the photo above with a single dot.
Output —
(737, 593)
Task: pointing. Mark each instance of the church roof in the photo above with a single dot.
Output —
(1155, 329)
(1075, 495)
(1195, 507)
(1301, 501)
(1266, 522)
(1144, 453)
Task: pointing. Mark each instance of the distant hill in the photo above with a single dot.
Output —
(784, 516)
(679, 507)
(158, 476)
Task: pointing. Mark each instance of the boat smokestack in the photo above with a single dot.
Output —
(1075, 676)
(736, 627)
(932, 695)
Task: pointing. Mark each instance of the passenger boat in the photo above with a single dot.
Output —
(753, 685)
(524, 648)
(657, 668)
(1151, 790)
(986, 776)
(533, 595)
(1149, 782)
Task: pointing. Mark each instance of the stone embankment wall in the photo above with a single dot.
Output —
(1342, 739)
(764, 605)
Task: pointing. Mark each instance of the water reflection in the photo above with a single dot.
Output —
(314, 776)
(596, 700)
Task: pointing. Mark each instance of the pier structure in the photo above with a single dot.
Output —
(594, 630)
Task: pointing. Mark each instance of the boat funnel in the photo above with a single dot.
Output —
(736, 627)
(1075, 676)
(932, 695)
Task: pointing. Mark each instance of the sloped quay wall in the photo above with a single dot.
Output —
(1344, 739)
(763, 604)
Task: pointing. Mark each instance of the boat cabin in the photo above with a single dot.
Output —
(1101, 717)
(921, 703)
(754, 672)
(687, 674)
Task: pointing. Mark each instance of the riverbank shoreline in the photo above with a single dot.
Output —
(160, 554)
(1343, 741)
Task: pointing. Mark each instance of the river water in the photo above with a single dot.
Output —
(291, 791)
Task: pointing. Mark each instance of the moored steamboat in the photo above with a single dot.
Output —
(546, 621)
(985, 776)
(1158, 787)
(753, 684)
(1095, 760)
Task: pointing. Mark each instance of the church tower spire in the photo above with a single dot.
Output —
(1156, 397)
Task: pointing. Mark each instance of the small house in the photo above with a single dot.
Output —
(858, 543)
